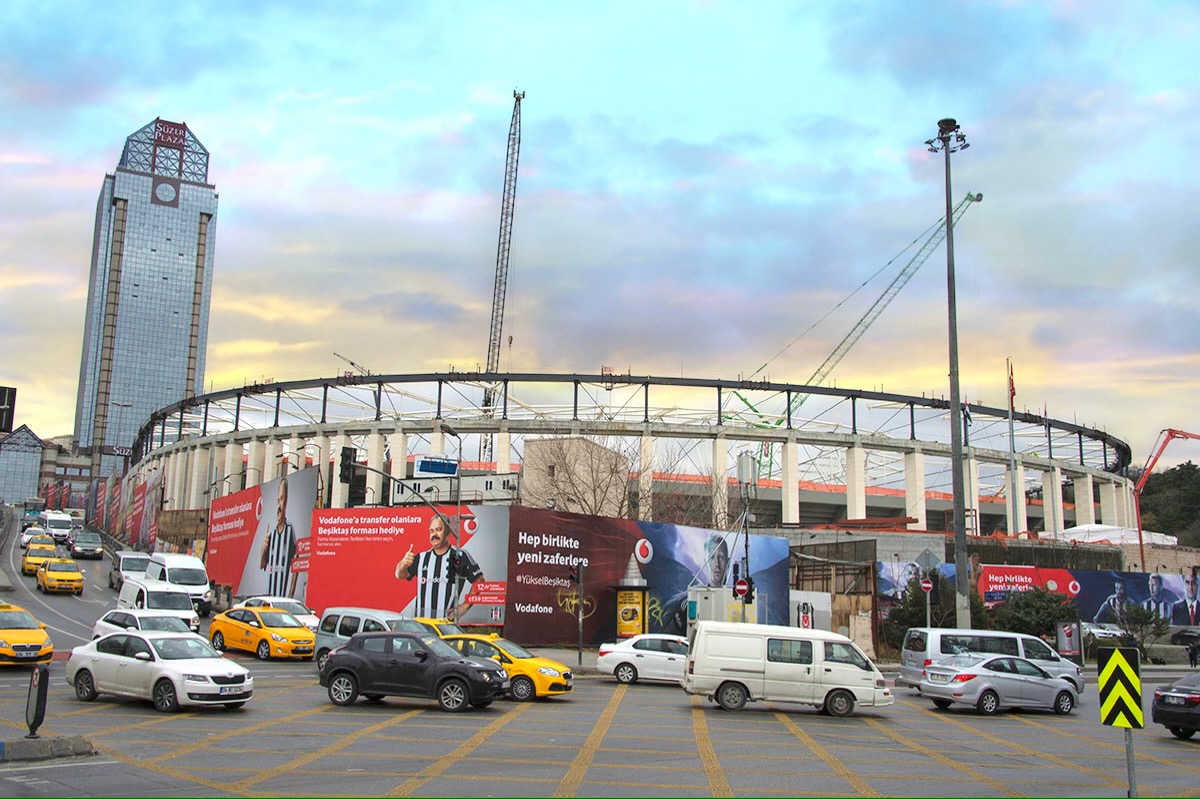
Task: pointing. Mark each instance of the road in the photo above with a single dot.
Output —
(603, 740)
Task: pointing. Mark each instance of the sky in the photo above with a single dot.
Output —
(706, 189)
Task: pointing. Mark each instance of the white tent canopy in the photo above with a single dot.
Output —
(1110, 534)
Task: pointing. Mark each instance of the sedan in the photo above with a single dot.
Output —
(36, 555)
(406, 664)
(266, 632)
(993, 682)
(293, 606)
(29, 532)
(531, 676)
(653, 656)
(1177, 707)
(87, 544)
(170, 669)
(116, 621)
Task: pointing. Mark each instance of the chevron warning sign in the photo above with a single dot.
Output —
(1121, 688)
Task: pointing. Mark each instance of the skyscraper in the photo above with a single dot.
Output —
(149, 290)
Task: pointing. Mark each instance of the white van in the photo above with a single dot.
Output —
(732, 663)
(57, 524)
(186, 571)
(924, 646)
(172, 600)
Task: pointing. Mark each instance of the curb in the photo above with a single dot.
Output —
(45, 748)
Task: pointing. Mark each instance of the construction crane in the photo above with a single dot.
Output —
(507, 207)
(766, 463)
(1165, 437)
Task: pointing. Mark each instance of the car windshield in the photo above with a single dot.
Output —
(37, 551)
(87, 538)
(172, 624)
(294, 608)
(439, 647)
(59, 524)
(134, 564)
(516, 650)
(279, 618)
(183, 648)
(406, 626)
(188, 576)
(17, 620)
(70, 566)
(169, 600)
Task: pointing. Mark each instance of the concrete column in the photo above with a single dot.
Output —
(1022, 502)
(437, 442)
(167, 468)
(233, 469)
(375, 461)
(1108, 502)
(339, 492)
(856, 482)
(1085, 508)
(1052, 499)
(297, 458)
(318, 449)
(199, 479)
(971, 492)
(789, 477)
(255, 463)
(1127, 509)
(646, 477)
(914, 489)
(273, 466)
(398, 451)
(503, 451)
(720, 492)
(216, 462)
(179, 485)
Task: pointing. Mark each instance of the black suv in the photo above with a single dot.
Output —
(383, 664)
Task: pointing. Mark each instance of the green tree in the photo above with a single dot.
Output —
(1144, 625)
(910, 611)
(1034, 612)
(1170, 503)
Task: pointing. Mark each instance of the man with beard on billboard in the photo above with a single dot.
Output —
(279, 550)
(442, 588)
(717, 551)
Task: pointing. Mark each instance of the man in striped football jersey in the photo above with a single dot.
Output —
(446, 574)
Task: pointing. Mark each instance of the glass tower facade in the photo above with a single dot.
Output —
(148, 291)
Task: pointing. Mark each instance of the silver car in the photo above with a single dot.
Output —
(993, 682)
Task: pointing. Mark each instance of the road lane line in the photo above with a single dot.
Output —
(443, 762)
(569, 786)
(954, 766)
(839, 768)
(708, 755)
(209, 740)
(1105, 745)
(345, 741)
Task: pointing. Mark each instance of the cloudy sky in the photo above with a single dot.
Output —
(700, 184)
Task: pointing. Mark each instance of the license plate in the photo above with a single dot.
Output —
(937, 677)
(27, 654)
(1173, 700)
(302, 650)
(231, 689)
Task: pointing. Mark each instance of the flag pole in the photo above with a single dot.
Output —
(1013, 488)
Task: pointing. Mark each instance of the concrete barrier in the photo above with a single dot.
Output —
(45, 748)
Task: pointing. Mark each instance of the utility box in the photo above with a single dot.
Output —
(716, 604)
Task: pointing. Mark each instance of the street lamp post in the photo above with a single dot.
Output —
(950, 139)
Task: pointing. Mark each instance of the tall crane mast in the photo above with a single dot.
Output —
(1165, 437)
(507, 207)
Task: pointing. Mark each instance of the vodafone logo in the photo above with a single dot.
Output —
(643, 551)
(1073, 587)
(470, 525)
(258, 507)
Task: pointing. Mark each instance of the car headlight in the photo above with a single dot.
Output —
(3, 644)
(549, 672)
(196, 678)
(279, 639)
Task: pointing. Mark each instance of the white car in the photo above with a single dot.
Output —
(30, 532)
(302, 612)
(170, 669)
(653, 656)
(122, 619)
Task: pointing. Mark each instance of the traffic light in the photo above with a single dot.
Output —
(735, 581)
(749, 590)
(346, 468)
(575, 573)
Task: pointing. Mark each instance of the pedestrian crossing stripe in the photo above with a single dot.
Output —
(1121, 688)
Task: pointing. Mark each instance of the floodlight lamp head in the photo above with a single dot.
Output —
(947, 126)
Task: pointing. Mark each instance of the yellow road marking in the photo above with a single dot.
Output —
(1113, 747)
(708, 755)
(440, 764)
(166, 771)
(209, 740)
(570, 783)
(831, 760)
(137, 725)
(953, 765)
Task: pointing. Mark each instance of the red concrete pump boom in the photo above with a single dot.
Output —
(1164, 438)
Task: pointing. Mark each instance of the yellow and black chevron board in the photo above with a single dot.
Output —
(1121, 687)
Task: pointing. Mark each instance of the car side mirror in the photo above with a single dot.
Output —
(421, 654)
(253, 624)
(142, 656)
(42, 625)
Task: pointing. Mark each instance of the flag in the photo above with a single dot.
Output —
(1012, 387)
(966, 409)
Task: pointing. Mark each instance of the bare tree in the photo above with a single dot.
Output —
(577, 474)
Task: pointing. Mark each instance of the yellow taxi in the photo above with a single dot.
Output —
(35, 555)
(60, 574)
(530, 676)
(440, 627)
(23, 638)
(267, 632)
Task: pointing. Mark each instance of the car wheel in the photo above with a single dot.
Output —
(452, 696)
(264, 650)
(1179, 732)
(1064, 703)
(942, 704)
(523, 689)
(373, 697)
(840, 703)
(85, 686)
(234, 705)
(165, 700)
(988, 704)
(322, 659)
(218, 642)
(625, 673)
(343, 689)
(731, 696)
